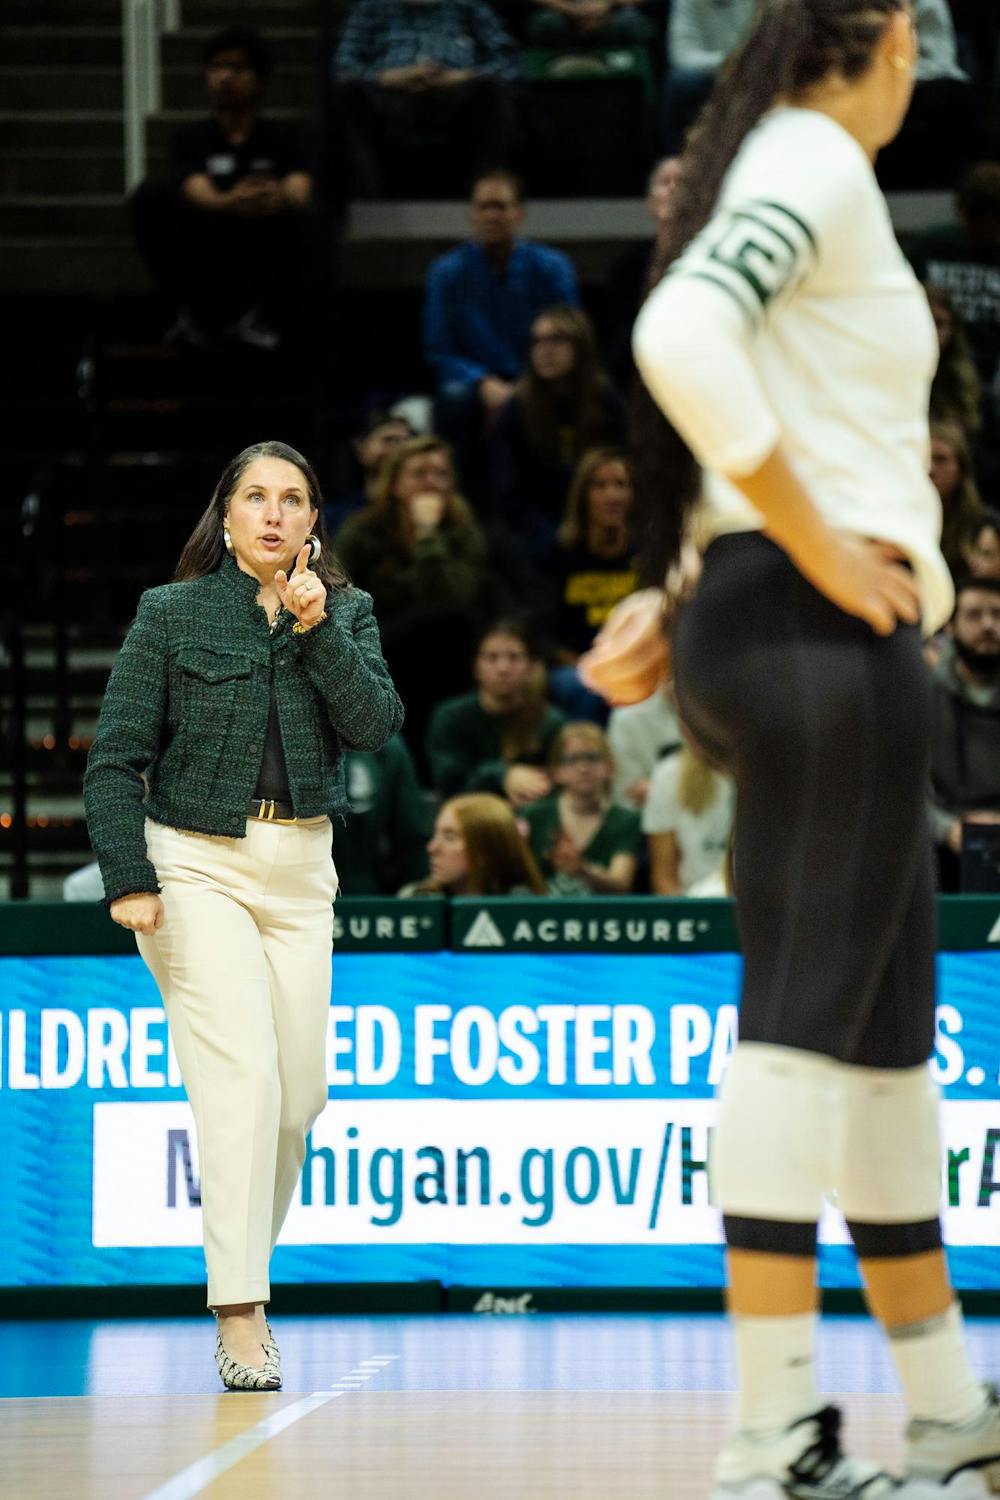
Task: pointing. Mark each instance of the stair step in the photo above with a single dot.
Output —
(80, 215)
(71, 263)
(64, 129)
(65, 13)
(54, 172)
(77, 46)
(290, 45)
(32, 88)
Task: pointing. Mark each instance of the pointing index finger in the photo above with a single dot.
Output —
(302, 560)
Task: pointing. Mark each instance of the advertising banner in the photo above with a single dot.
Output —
(518, 1118)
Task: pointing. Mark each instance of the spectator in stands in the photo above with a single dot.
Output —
(687, 818)
(956, 394)
(382, 843)
(964, 261)
(965, 763)
(478, 850)
(628, 279)
(498, 737)
(406, 68)
(416, 544)
(229, 240)
(983, 556)
(940, 135)
(566, 24)
(418, 550)
(381, 435)
(953, 477)
(939, 132)
(480, 302)
(584, 844)
(561, 406)
(591, 569)
(641, 735)
(700, 36)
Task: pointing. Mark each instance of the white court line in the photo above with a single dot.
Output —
(204, 1471)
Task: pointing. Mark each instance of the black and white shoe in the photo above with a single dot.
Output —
(237, 1377)
(271, 1349)
(942, 1451)
(803, 1462)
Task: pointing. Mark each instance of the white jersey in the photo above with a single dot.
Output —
(793, 317)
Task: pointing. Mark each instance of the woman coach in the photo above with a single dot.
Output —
(215, 768)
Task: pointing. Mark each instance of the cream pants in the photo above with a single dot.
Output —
(243, 962)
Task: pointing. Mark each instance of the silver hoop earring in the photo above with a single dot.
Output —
(227, 540)
(316, 545)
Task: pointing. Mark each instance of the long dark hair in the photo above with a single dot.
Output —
(204, 549)
(956, 393)
(585, 385)
(792, 45)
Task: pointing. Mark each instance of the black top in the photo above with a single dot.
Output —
(587, 589)
(272, 149)
(272, 778)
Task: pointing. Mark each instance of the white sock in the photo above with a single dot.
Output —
(776, 1362)
(934, 1370)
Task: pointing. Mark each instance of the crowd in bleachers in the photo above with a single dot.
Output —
(493, 523)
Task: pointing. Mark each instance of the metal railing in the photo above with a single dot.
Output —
(143, 23)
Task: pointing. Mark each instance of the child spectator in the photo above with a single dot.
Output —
(566, 24)
(417, 542)
(478, 850)
(953, 478)
(584, 844)
(382, 843)
(641, 735)
(956, 393)
(381, 435)
(562, 405)
(498, 737)
(408, 67)
(983, 555)
(228, 240)
(687, 819)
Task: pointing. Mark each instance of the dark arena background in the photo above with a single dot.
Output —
(502, 1271)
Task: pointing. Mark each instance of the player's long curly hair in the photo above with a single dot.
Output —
(792, 45)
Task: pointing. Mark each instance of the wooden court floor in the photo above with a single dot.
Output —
(550, 1408)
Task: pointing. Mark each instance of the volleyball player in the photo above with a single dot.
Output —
(790, 347)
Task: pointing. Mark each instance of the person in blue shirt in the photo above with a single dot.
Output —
(480, 302)
(412, 73)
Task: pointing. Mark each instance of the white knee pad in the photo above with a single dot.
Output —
(889, 1161)
(773, 1151)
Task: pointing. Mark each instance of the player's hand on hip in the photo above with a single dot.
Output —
(140, 912)
(867, 578)
(303, 594)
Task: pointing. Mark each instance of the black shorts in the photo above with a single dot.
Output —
(825, 727)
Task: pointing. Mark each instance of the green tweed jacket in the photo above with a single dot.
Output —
(182, 727)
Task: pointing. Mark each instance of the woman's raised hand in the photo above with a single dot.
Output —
(140, 912)
(303, 593)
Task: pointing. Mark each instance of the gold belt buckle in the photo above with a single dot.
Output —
(263, 816)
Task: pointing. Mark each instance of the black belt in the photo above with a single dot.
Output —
(267, 811)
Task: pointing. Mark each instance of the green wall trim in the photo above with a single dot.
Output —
(469, 924)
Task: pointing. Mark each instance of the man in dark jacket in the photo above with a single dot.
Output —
(965, 766)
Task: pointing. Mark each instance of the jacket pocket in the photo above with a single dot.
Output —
(207, 683)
